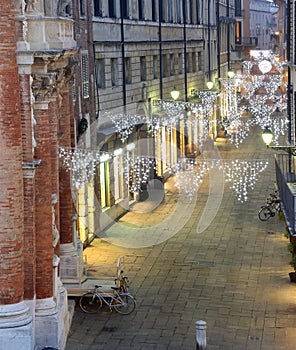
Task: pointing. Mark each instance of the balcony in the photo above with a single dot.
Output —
(246, 41)
(286, 182)
(50, 33)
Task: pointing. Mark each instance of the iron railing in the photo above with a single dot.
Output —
(286, 182)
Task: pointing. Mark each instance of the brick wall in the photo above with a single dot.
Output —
(11, 202)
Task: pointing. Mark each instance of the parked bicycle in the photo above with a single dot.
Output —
(271, 208)
(118, 299)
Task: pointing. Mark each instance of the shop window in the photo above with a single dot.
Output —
(104, 184)
(118, 177)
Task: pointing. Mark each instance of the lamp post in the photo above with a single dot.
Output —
(267, 137)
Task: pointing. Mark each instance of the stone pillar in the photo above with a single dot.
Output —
(46, 317)
(71, 250)
(15, 320)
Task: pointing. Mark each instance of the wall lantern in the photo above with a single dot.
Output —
(175, 94)
(210, 85)
(231, 74)
(267, 137)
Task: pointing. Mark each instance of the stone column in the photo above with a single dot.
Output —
(15, 319)
(46, 307)
(71, 250)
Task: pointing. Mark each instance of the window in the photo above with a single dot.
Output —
(128, 70)
(141, 10)
(84, 75)
(114, 72)
(164, 66)
(118, 177)
(193, 58)
(180, 63)
(100, 67)
(104, 183)
(125, 8)
(97, 8)
(172, 64)
(82, 8)
(188, 68)
(143, 68)
(155, 66)
(154, 11)
(178, 10)
(170, 12)
(199, 61)
(112, 8)
(238, 8)
(163, 11)
(191, 11)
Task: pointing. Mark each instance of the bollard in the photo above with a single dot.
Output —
(201, 338)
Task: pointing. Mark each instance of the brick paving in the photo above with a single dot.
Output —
(233, 275)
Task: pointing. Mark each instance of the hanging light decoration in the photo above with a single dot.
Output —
(81, 163)
(243, 175)
(124, 123)
(138, 171)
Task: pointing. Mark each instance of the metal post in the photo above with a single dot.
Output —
(201, 338)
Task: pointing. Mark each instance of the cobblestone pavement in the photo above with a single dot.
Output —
(233, 274)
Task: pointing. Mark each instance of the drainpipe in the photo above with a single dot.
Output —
(160, 48)
(185, 49)
(209, 39)
(228, 34)
(122, 53)
(218, 38)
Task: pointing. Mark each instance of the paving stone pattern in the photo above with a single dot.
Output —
(233, 275)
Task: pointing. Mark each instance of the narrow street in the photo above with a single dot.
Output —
(233, 274)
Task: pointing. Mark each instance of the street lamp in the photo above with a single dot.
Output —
(267, 137)
(175, 94)
(210, 85)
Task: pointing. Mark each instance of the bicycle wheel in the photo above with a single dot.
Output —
(124, 304)
(90, 303)
(264, 213)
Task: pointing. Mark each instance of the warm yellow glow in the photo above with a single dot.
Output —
(118, 151)
(230, 74)
(267, 136)
(175, 94)
(210, 85)
(130, 146)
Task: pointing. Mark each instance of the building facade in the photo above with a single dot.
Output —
(38, 49)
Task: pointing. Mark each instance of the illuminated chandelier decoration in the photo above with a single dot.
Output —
(238, 130)
(189, 174)
(80, 162)
(124, 123)
(138, 171)
(241, 175)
